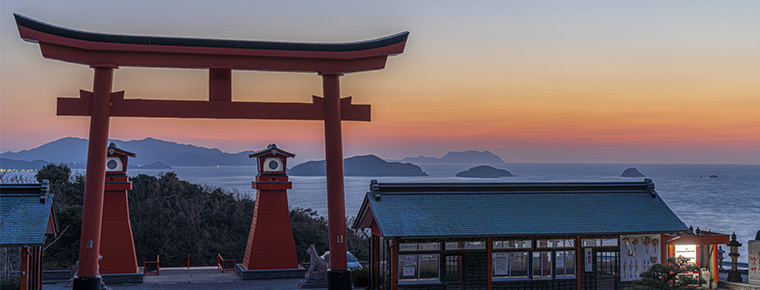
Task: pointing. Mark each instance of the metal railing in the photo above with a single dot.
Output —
(220, 262)
(157, 262)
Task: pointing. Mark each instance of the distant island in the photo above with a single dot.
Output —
(484, 171)
(479, 157)
(367, 165)
(154, 165)
(631, 172)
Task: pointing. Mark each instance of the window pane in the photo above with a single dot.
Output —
(591, 242)
(428, 267)
(556, 243)
(500, 263)
(455, 246)
(565, 264)
(609, 242)
(570, 263)
(429, 246)
(405, 247)
(518, 264)
(521, 244)
(407, 268)
(454, 268)
(542, 265)
(560, 263)
(475, 245)
(465, 245)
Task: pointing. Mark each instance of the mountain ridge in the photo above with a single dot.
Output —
(73, 151)
(469, 156)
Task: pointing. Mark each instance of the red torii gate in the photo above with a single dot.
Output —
(105, 52)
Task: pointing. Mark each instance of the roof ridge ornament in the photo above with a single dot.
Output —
(650, 187)
(44, 190)
(374, 188)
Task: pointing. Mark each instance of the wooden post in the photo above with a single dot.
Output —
(664, 248)
(338, 277)
(92, 212)
(393, 259)
(489, 259)
(24, 276)
(220, 85)
(715, 264)
(578, 254)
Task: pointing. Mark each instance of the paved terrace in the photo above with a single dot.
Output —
(195, 278)
(211, 277)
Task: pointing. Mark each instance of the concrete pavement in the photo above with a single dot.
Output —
(195, 278)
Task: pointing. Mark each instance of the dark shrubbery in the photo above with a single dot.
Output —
(173, 218)
(12, 283)
(308, 228)
(68, 198)
(360, 277)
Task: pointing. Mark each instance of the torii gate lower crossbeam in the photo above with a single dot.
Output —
(105, 52)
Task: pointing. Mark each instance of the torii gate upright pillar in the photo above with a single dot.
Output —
(338, 277)
(92, 212)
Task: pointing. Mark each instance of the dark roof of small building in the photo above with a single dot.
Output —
(25, 210)
(271, 149)
(430, 210)
(118, 151)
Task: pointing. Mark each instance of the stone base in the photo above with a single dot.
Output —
(126, 278)
(307, 284)
(86, 283)
(737, 286)
(56, 275)
(246, 274)
(735, 276)
(339, 279)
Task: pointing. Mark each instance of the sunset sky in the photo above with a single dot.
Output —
(532, 81)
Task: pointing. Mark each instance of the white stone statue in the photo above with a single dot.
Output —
(318, 267)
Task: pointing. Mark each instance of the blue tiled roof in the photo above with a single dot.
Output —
(518, 209)
(23, 217)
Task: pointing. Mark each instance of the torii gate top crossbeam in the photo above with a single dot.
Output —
(152, 51)
(105, 52)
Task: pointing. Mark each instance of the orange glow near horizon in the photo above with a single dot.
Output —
(528, 78)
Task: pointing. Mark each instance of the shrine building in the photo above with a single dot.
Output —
(27, 219)
(590, 235)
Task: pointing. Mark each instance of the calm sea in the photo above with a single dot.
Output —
(728, 203)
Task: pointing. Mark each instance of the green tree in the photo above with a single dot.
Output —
(173, 218)
(54, 173)
(665, 276)
(308, 228)
(68, 196)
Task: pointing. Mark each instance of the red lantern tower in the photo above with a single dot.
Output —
(270, 241)
(117, 244)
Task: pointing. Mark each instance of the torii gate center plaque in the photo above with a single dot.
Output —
(106, 52)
